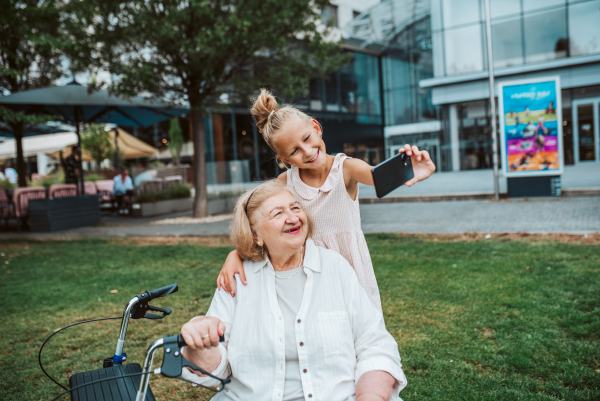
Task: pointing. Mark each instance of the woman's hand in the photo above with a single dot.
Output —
(233, 265)
(422, 165)
(203, 332)
(201, 337)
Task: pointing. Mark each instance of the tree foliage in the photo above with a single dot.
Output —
(30, 58)
(208, 52)
(96, 140)
(175, 140)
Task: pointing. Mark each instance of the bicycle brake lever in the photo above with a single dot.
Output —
(173, 363)
(140, 312)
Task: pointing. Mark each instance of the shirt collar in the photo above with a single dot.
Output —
(311, 258)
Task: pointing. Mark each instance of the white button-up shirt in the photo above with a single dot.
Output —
(340, 335)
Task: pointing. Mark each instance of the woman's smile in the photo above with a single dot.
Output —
(293, 230)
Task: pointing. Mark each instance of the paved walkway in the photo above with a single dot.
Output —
(580, 215)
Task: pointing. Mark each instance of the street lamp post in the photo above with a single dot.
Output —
(488, 29)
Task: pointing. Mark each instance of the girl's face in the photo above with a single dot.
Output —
(301, 144)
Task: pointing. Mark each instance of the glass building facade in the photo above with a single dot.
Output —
(523, 32)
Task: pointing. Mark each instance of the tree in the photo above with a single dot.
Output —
(175, 140)
(29, 59)
(96, 140)
(198, 50)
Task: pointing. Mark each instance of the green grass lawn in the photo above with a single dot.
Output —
(475, 320)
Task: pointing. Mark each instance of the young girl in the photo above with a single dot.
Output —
(326, 187)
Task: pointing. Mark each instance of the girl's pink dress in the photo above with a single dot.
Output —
(337, 221)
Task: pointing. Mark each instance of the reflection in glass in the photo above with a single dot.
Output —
(396, 73)
(398, 107)
(463, 50)
(585, 125)
(458, 12)
(438, 54)
(567, 132)
(584, 28)
(436, 15)
(506, 43)
(545, 36)
(529, 5)
(502, 8)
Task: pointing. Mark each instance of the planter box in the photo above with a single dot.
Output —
(151, 209)
(49, 215)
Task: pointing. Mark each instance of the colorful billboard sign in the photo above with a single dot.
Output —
(531, 127)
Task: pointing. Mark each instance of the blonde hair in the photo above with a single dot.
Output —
(244, 224)
(269, 124)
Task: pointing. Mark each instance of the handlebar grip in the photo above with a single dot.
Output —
(181, 341)
(148, 296)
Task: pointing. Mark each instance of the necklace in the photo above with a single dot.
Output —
(297, 270)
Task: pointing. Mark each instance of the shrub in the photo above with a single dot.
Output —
(5, 184)
(94, 177)
(174, 192)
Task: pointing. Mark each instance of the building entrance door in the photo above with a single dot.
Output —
(586, 130)
(430, 145)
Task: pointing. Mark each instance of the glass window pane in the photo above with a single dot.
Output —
(436, 15)
(396, 73)
(438, 54)
(529, 5)
(546, 36)
(463, 50)
(458, 12)
(502, 8)
(398, 104)
(507, 43)
(585, 123)
(584, 28)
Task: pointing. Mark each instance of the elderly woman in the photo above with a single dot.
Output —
(303, 328)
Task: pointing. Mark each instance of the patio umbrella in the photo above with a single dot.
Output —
(129, 147)
(30, 130)
(76, 105)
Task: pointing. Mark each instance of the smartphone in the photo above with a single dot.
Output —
(391, 174)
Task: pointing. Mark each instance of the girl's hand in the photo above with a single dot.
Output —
(202, 333)
(233, 265)
(422, 165)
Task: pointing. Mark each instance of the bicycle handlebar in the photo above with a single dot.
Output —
(148, 296)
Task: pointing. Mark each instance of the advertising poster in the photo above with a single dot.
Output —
(530, 127)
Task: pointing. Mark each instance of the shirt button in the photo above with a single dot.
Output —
(305, 370)
(299, 320)
(310, 396)
(302, 344)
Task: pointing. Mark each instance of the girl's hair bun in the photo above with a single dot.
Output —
(263, 105)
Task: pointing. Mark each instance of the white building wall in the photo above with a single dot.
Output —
(346, 9)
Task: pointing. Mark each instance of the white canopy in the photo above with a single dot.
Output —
(32, 145)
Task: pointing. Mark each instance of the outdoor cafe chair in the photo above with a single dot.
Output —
(173, 180)
(89, 188)
(6, 207)
(152, 186)
(21, 198)
(62, 190)
(104, 189)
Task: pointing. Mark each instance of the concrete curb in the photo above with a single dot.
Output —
(461, 197)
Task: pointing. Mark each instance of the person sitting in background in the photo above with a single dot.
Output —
(11, 174)
(122, 186)
(71, 166)
(142, 176)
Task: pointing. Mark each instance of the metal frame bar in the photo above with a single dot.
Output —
(595, 102)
